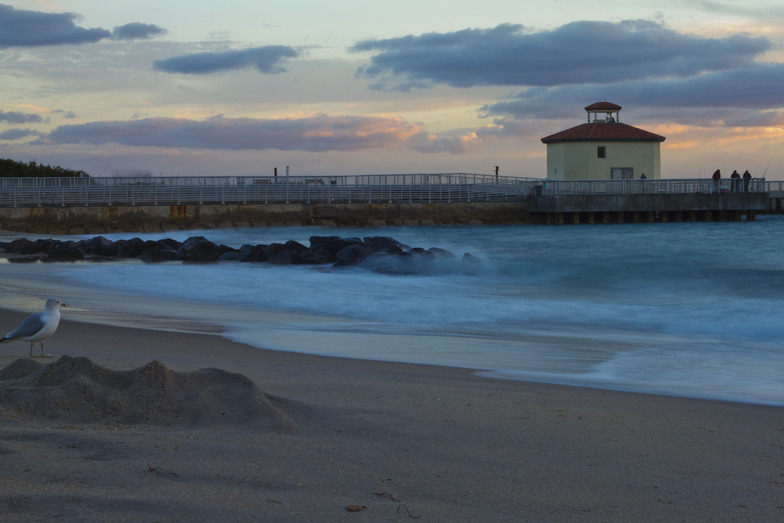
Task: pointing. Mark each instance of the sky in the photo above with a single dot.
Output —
(193, 88)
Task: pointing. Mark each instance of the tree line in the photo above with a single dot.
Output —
(14, 169)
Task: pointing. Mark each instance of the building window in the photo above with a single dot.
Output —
(601, 152)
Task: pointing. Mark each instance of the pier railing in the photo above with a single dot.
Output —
(662, 186)
(224, 190)
(383, 188)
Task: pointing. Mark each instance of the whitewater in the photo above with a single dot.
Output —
(684, 309)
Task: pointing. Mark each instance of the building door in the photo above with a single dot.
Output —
(622, 173)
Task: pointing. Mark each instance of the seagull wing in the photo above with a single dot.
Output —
(29, 326)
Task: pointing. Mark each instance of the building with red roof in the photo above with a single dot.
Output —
(603, 148)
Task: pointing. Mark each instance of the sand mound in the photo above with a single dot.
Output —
(78, 390)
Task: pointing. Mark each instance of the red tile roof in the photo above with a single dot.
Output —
(603, 132)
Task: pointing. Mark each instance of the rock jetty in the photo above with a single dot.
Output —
(376, 253)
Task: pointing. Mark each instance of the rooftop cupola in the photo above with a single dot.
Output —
(609, 110)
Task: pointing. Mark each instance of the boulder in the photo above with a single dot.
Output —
(286, 253)
(351, 255)
(327, 247)
(416, 261)
(230, 254)
(132, 248)
(99, 246)
(470, 264)
(385, 244)
(308, 257)
(171, 243)
(198, 249)
(444, 261)
(48, 245)
(442, 253)
(66, 251)
(254, 253)
(155, 251)
(23, 246)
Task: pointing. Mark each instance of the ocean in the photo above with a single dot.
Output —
(683, 309)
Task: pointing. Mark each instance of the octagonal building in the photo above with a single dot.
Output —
(604, 148)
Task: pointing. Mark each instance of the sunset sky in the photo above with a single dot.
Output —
(179, 88)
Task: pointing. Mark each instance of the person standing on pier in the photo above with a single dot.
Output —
(746, 180)
(717, 180)
(735, 181)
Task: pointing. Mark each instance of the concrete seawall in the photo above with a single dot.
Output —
(637, 208)
(104, 220)
(549, 209)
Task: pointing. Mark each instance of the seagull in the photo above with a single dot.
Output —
(38, 327)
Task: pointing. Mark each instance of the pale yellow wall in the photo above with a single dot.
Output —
(555, 161)
(579, 160)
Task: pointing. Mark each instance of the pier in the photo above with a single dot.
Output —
(668, 200)
(103, 205)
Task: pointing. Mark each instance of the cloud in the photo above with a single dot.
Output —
(266, 59)
(18, 134)
(17, 118)
(752, 10)
(584, 52)
(467, 142)
(664, 75)
(315, 134)
(22, 28)
(758, 119)
(137, 31)
(703, 99)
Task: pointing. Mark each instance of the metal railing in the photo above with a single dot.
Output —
(662, 186)
(383, 188)
(776, 189)
(224, 190)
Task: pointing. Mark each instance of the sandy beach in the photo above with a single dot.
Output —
(375, 441)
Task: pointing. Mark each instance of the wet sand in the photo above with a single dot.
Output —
(391, 441)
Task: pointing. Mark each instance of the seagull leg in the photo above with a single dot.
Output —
(42, 351)
(31, 350)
